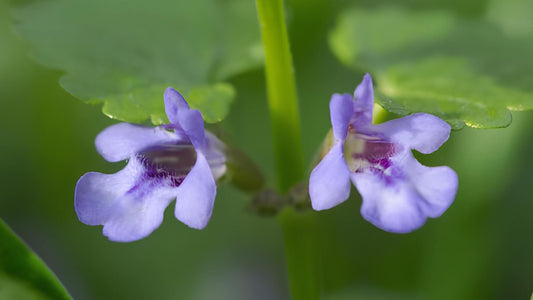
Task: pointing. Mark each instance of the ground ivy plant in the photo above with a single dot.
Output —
(164, 68)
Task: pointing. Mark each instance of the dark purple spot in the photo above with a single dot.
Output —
(383, 162)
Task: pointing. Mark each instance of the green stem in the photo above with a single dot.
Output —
(282, 100)
(300, 235)
(299, 230)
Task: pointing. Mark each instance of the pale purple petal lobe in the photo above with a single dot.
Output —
(341, 110)
(129, 206)
(97, 193)
(329, 184)
(135, 217)
(436, 185)
(121, 141)
(174, 103)
(422, 132)
(390, 204)
(192, 123)
(196, 195)
(364, 102)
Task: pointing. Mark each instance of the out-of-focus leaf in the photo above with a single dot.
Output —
(22, 274)
(125, 53)
(463, 71)
(514, 16)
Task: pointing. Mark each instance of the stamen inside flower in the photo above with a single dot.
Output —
(172, 162)
(363, 151)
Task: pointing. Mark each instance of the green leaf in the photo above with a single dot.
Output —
(464, 71)
(22, 274)
(514, 16)
(125, 53)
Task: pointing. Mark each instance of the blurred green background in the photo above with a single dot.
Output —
(481, 248)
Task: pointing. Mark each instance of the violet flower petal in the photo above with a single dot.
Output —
(128, 207)
(96, 193)
(196, 195)
(192, 123)
(437, 186)
(364, 102)
(402, 200)
(136, 218)
(121, 141)
(422, 132)
(390, 204)
(329, 183)
(174, 103)
(341, 110)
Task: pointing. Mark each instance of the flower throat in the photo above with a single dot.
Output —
(364, 151)
(172, 162)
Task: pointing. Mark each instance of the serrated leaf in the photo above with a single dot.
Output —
(22, 274)
(125, 53)
(466, 72)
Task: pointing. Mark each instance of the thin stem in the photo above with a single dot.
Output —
(298, 229)
(282, 99)
(300, 235)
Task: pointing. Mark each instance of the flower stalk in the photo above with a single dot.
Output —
(300, 236)
(298, 229)
(282, 99)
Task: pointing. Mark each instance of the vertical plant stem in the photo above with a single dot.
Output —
(300, 235)
(282, 99)
(298, 229)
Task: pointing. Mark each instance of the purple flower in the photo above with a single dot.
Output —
(398, 192)
(175, 161)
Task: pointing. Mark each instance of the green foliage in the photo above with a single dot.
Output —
(514, 16)
(22, 274)
(464, 71)
(125, 53)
